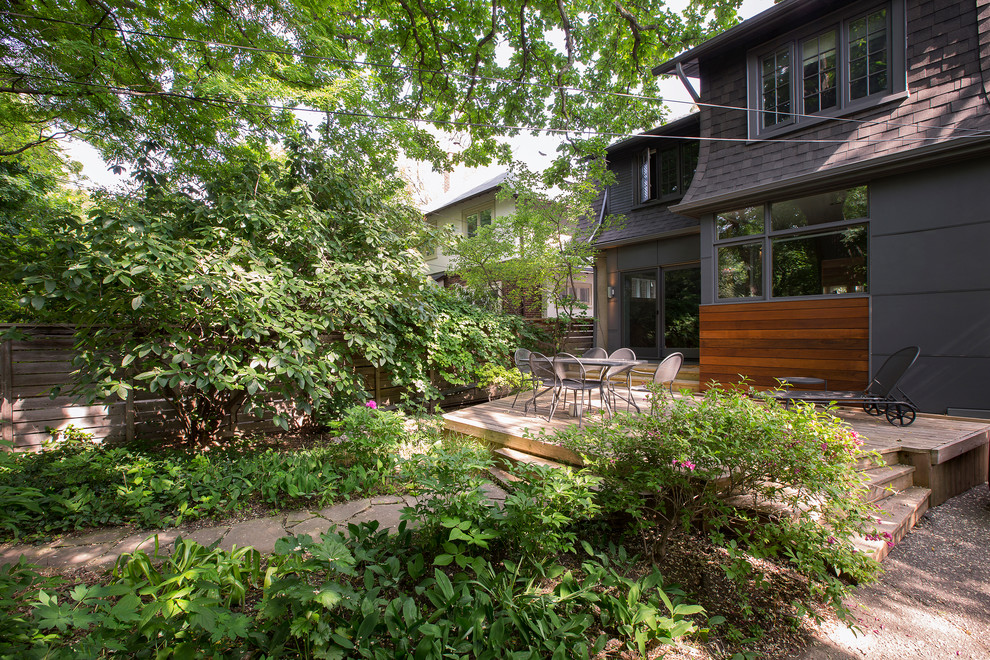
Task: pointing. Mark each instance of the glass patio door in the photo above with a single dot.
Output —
(660, 311)
(681, 299)
(641, 312)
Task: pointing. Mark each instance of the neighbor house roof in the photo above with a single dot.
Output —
(479, 190)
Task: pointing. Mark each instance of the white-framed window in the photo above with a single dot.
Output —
(809, 246)
(476, 220)
(429, 250)
(841, 63)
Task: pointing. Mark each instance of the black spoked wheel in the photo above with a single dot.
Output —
(875, 408)
(900, 414)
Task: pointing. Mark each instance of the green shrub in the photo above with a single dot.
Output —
(543, 506)
(76, 484)
(704, 464)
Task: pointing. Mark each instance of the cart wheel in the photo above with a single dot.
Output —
(872, 408)
(900, 414)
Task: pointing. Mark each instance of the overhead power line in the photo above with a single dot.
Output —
(477, 77)
(455, 123)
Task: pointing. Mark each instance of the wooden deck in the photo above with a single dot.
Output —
(949, 454)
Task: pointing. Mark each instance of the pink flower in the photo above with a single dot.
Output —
(371, 404)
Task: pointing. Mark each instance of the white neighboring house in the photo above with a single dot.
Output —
(475, 208)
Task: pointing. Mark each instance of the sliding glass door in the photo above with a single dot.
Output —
(660, 311)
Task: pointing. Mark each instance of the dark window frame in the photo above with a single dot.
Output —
(766, 238)
(794, 40)
(650, 157)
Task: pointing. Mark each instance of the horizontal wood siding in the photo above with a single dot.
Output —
(827, 339)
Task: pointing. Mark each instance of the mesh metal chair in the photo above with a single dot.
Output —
(617, 376)
(592, 371)
(881, 397)
(573, 377)
(544, 375)
(666, 372)
(521, 359)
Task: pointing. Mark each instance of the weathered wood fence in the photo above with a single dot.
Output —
(29, 369)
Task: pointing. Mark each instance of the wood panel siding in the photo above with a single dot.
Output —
(824, 338)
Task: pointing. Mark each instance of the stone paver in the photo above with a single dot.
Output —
(112, 535)
(260, 533)
(387, 516)
(341, 512)
(100, 549)
(294, 518)
(313, 527)
(206, 536)
(146, 541)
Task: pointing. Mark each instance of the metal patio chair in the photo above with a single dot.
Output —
(521, 360)
(543, 375)
(619, 376)
(574, 378)
(666, 372)
(594, 372)
(881, 397)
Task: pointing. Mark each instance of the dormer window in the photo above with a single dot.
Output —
(839, 64)
(776, 78)
(665, 173)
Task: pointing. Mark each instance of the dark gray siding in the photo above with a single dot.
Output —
(930, 280)
(648, 254)
(946, 85)
(639, 221)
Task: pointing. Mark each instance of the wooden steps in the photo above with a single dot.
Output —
(887, 480)
(900, 512)
(890, 487)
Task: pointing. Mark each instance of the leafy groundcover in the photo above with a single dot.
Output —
(572, 564)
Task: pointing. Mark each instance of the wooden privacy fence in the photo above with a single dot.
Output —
(29, 369)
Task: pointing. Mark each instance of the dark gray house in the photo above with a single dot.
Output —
(838, 211)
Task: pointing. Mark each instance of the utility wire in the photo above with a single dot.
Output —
(462, 124)
(467, 76)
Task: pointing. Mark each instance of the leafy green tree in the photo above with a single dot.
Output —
(268, 282)
(197, 76)
(537, 253)
(34, 197)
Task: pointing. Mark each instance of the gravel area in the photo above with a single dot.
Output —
(933, 600)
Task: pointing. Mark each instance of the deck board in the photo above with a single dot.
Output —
(941, 438)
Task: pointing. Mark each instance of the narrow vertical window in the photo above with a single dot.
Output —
(776, 80)
(669, 178)
(868, 55)
(818, 70)
(644, 177)
(689, 163)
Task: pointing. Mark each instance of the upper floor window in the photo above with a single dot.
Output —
(476, 220)
(665, 173)
(840, 63)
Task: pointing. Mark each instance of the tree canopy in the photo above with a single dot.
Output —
(195, 76)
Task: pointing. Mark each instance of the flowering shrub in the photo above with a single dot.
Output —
(709, 463)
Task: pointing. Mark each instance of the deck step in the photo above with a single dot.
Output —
(900, 512)
(886, 480)
(506, 457)
(887, 457)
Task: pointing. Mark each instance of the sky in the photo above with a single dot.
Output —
(430, 187)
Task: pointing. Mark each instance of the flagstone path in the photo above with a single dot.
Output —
(100, 549)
